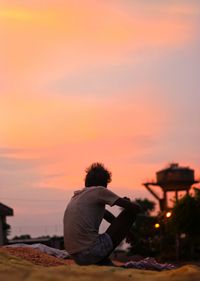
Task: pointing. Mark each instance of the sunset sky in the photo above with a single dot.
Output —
(115, 81)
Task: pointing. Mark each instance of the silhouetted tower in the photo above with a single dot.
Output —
(173, 178)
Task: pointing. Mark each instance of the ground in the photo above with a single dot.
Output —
(32, 265)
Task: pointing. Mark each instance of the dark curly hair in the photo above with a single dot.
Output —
(97, 175)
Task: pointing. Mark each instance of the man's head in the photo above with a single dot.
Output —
(97, 175)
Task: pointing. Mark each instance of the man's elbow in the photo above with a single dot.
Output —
(131, 207)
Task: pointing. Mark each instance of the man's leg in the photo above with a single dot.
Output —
(120, 227)
(118, 231)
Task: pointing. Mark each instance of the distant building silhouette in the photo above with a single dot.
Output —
(54, 242)
(4, 212)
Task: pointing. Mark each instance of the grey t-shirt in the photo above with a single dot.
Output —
(83, 217)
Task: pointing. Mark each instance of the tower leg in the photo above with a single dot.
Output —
(165, 200)
(176, 194)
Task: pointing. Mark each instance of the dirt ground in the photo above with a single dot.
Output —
(35, 256)
(21, 264)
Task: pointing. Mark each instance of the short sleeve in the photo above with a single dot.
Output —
(105, 196)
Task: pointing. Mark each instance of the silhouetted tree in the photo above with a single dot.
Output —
(186, 216)
(22, 237)
(147, 205)
(185, 221)
(145, 237)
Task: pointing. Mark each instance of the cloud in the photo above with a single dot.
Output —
(45, 123)
(13, 164)
(87, 81)
(22, 189)
(70, 37)
(4, 151)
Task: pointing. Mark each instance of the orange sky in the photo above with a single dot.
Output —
(83, 81)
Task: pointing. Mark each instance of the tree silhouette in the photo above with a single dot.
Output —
(186, 215)
(144, 239)
(147, 205)
(185, 222)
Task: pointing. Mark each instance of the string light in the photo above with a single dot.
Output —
(157, 225)
(168, 214)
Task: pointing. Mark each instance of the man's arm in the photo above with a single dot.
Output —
(131, 207)
(108, 216)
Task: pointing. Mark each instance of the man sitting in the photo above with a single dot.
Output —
(84, 214)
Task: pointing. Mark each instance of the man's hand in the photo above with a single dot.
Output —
(127, 198)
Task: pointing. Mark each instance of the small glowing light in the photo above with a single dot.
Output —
(168, 214)
(157, 225)
(183, 235)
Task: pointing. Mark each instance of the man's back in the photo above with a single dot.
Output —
(83, 217)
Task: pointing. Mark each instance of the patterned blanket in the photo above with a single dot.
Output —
(149, 264)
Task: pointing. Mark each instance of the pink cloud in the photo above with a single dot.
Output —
(63, 37)
(42, 42)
